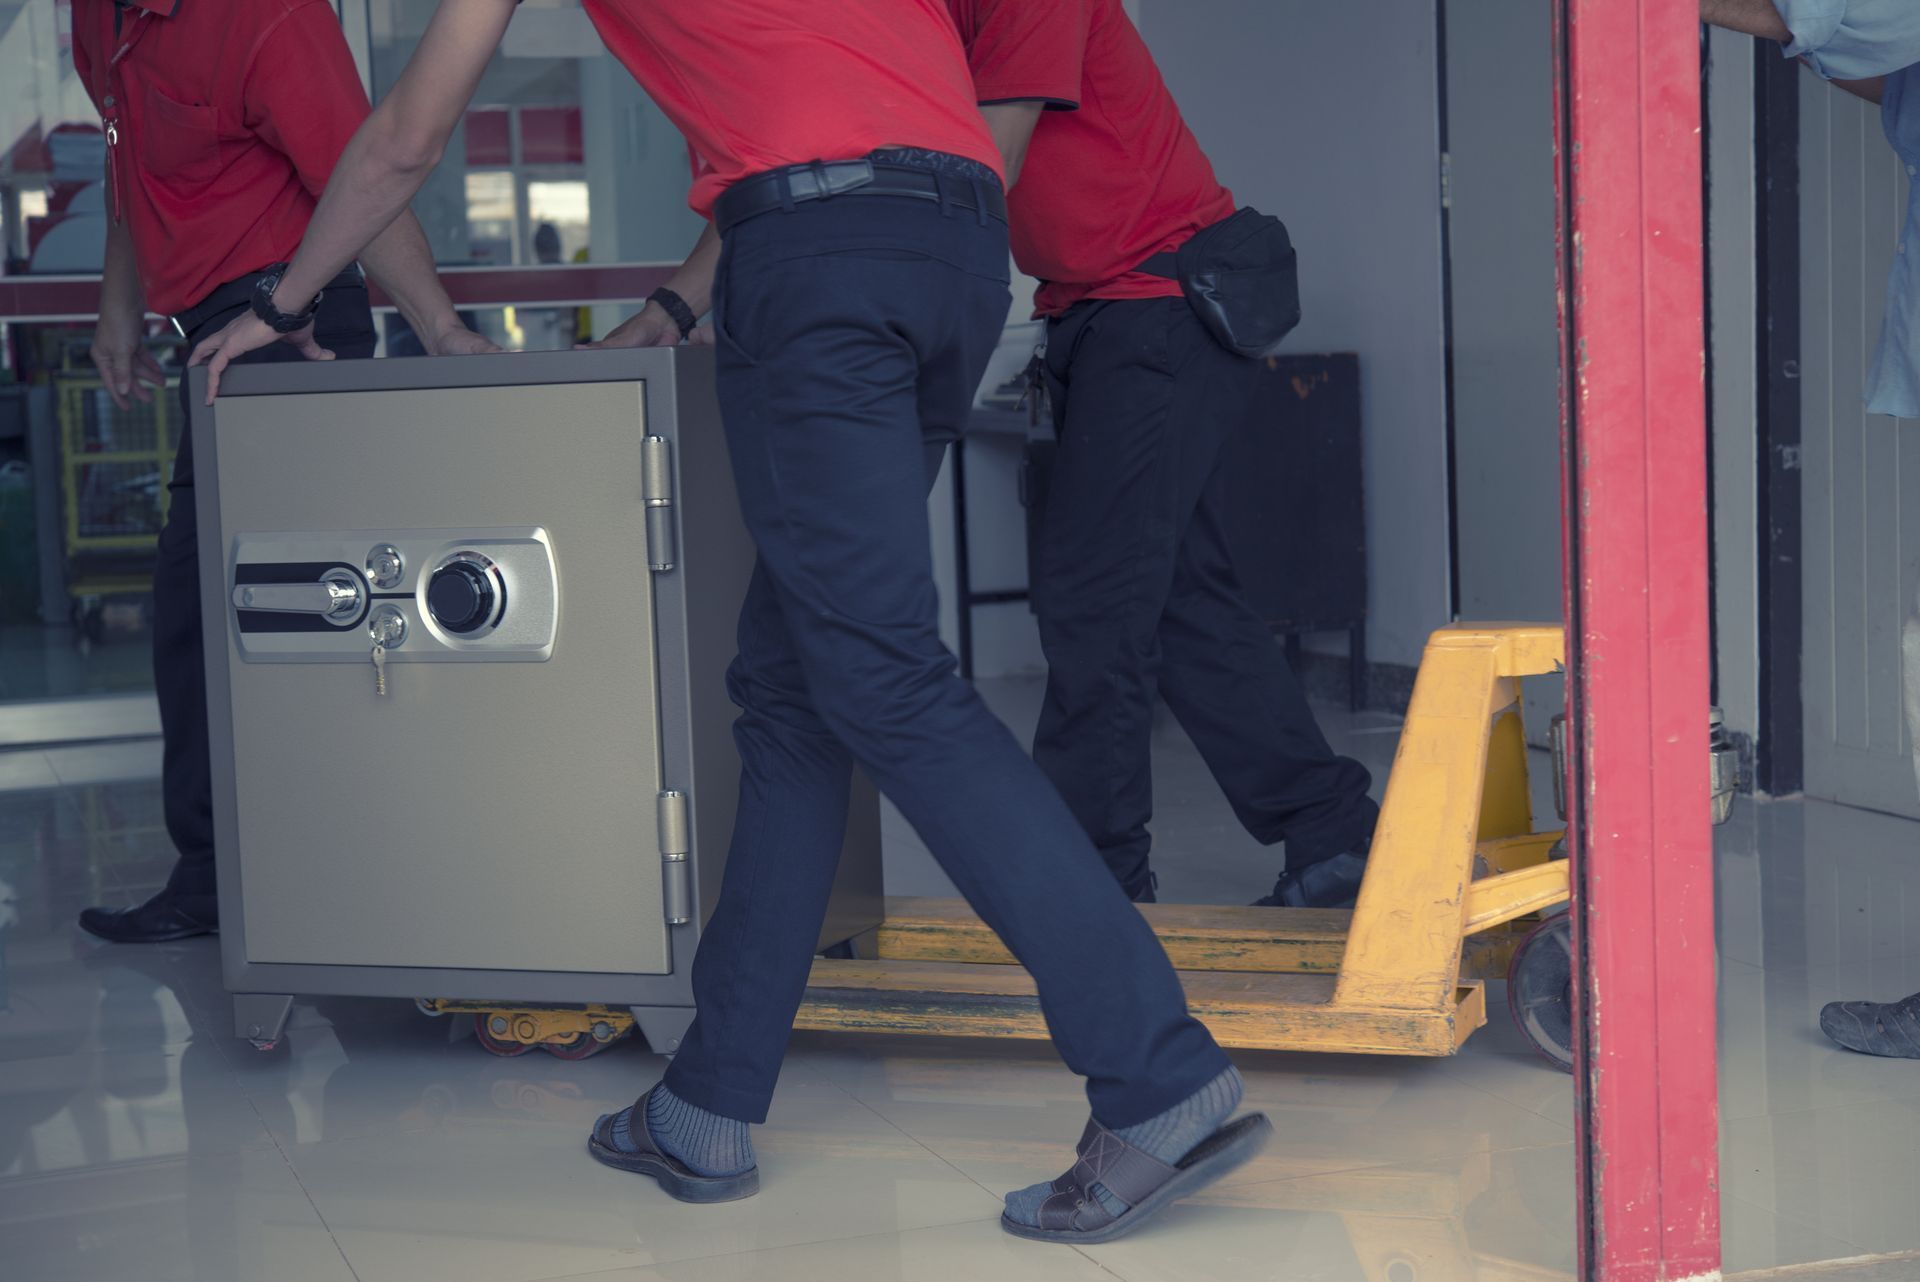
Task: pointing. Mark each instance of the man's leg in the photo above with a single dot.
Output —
(190, 903)
(1135, 590)
(1122, 485)
(822, 373)
(787, 835)
(788, 829)
(1228, 681)
(180, 684)
(1890, 1029)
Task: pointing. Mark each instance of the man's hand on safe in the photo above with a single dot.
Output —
(248, 333)
(648, 327)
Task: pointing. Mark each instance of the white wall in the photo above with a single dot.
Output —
(1731, 258)
(1323, 114)
(1860, 472)
(1506, 338)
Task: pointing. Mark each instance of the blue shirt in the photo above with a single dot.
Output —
(1858, 40)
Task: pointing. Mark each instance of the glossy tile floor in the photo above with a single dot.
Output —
(48, 663)
(139, 1141)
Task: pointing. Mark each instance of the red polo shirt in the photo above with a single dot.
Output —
(224, 119)
(1113, 175)
(758, 84)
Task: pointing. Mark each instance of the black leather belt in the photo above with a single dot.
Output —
(825, 179)
(239, 293)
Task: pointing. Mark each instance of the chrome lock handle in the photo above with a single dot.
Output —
(334, 597)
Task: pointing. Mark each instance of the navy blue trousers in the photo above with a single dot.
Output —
(345, 327)
(1135, 591)
(852, 334)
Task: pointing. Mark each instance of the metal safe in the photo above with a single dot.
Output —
(468, 622)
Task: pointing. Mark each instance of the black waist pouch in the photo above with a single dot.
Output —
(1241, 278)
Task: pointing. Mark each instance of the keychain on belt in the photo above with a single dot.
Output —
(1035, 394)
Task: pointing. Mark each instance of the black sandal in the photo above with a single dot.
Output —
(1145, 1183)
(673, 1175)
(1887, 1029)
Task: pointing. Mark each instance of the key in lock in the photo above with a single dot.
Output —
(388, 628)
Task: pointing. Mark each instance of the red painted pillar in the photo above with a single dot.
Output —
(1628, 131)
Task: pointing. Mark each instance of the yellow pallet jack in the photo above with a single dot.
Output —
(1455, 883)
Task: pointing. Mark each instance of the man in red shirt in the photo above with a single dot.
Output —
(223, 120)
(1134, 586)
(861, 284)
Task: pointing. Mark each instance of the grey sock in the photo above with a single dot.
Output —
(1168, 1136)
(708, 1143)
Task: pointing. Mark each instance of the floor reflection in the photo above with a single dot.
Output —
(139, 1138)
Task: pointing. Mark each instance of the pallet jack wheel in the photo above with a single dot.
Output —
(1540, 990)
(505, 1047)
(579, 1046)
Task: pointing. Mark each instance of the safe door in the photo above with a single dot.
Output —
(442, 690)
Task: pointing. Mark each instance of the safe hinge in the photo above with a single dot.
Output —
(656, 485)
(675, 846)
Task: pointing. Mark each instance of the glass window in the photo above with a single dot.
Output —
(80, 495)
(492, 218)
(52, 155)
(560, 159)
(559, 206)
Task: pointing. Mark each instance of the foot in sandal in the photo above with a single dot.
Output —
(694, 1155)
(1124, 1177)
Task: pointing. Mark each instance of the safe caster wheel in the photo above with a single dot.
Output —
(496, 1042)
(1540, 990)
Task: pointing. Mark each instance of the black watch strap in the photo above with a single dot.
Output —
(676, 307)
(263, 306)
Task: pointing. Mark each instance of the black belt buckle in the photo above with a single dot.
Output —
(831, 179)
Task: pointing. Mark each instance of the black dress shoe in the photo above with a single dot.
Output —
(1331, 883)
(157, 921)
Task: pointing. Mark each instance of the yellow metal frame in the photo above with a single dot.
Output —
(538, 1025)
(1455, 863)
(1455, 852)
(1456, 866)
(74, 391)
(110, 585)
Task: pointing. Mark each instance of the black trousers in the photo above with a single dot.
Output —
(179, 653)
(1135, 592)
(851, 335)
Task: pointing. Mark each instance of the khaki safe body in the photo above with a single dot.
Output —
(468, 623)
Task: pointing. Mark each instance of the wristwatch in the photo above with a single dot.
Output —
(278, 321)
(676, 308)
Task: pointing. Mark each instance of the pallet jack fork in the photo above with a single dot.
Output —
(1456, 872)
(1455, 863)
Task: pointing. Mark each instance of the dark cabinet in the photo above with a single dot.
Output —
(1297, 505)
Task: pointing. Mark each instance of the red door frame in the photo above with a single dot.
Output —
(1627, 122)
